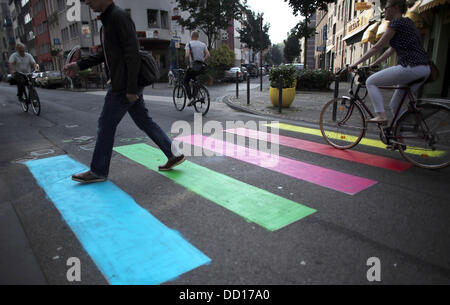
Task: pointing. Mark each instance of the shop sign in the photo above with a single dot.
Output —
(360, 22)
(363, 6)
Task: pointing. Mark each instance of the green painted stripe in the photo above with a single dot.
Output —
(268, 210)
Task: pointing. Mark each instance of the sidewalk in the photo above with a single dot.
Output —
(306, 106)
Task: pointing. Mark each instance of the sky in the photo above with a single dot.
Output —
(278, 14)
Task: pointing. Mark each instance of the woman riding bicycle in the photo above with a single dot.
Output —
(403, 37)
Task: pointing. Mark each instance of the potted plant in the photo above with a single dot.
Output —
(289, 75)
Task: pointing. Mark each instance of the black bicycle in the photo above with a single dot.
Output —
(31, 97)
(421, 133)
(200, 93)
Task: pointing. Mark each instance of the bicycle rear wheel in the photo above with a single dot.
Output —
(34, 101)
(202, 101)
(342, 123)
(179, 97)
(424, 136)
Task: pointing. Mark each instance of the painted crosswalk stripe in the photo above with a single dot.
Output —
(254, 204)
(328, 178)
(327, 150)
(125, 241)
(350, 138)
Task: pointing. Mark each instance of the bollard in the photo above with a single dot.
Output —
(336, 94)
(237, 84)
(248, 88)
(280, 93)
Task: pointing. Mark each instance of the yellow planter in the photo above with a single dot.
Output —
(288, 96)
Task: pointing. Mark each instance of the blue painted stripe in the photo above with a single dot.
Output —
(125, 241)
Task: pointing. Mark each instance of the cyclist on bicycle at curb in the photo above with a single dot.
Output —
(23, 62)
(413, 64)
(199, 53)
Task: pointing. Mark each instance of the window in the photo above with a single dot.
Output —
(350, 10)
(61, 5)
(65, 35)
(152, 18)
(164, 19)
(27, 18)
(44, 49)
(74, 30)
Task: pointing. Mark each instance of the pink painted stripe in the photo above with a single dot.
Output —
(327, 150)
(328, 178)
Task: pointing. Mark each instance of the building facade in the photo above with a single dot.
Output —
(349, 19)
(7, 41)
(42, 34)
(310, 47)
(21, 15)
(321, 39)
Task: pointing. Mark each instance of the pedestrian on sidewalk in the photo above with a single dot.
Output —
(120, 52)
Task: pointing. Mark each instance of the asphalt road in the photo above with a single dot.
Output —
(402, 219)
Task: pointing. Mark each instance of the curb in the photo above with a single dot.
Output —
(226, 100)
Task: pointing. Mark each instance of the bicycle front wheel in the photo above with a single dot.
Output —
(342, 123)
(179, 97)
(34, 101)
(202, 102)
(24, 104)
(424, 136)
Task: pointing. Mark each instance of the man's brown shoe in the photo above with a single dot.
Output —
(172, 163)
(87, 177)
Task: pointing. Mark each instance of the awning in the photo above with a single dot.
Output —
(428, 4)
(370, 35)
(355, 32)
(382, 29)
(414, 14)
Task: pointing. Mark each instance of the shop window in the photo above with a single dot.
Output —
(152, 18)
(164, 19)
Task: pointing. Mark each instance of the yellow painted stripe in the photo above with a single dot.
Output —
(350, 138)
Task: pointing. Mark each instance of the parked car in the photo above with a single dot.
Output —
(299, 67)
(231, 74)
(38, 79)
(263, 70)
(245, 72)
(252, 69)
(33, 78)
(52, 79)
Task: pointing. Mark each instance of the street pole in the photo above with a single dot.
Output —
(260, 56)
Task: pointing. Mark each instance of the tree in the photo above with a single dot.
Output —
(222, 58)
(251, 33)
(209, 16)
(307, 8)
(291, 47)
(277, 56)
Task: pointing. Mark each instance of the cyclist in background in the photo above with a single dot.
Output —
(199, 52)
(403, 37)
(23, 62)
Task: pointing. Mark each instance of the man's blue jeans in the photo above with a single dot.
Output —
(115, 107)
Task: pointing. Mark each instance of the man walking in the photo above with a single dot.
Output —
(23, 62)
(121, 55)
(195, 51)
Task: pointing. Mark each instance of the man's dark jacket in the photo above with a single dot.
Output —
(122, 51)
